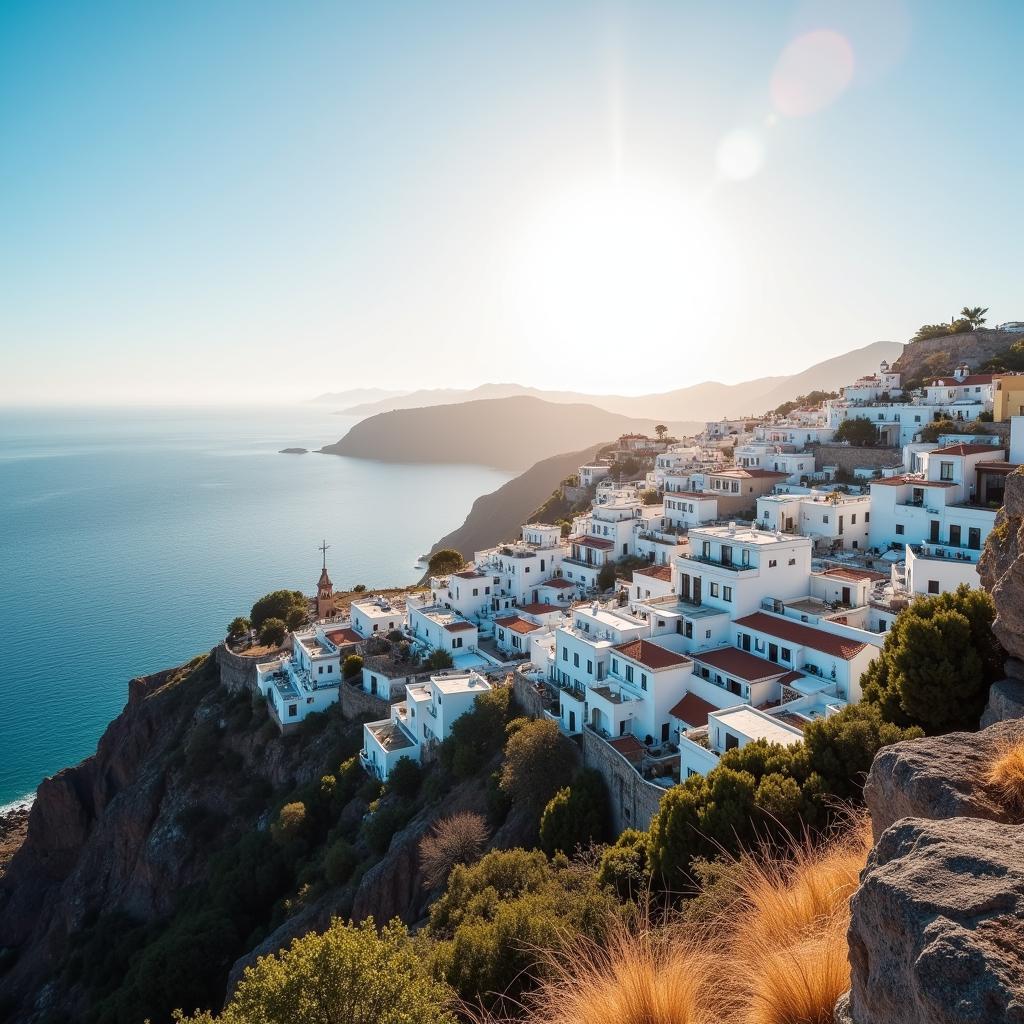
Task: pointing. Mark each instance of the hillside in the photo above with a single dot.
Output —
(706, 401)
(498, 516)
(932, 356)
(353, 396)
(509, 433)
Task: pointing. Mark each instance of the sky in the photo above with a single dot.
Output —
(237, 202)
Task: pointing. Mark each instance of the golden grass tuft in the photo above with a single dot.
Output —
(1006, 775)
(775, 953)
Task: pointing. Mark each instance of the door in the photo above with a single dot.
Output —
(572, 721)
(664, 732)
(933, 536)
(840, 526)
(954, 536)
(974, 538)
(746, 641)
(696, 590)
(773, 652)
(846, 595)
(684, 586)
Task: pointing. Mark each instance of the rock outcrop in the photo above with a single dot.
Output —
(937, 930)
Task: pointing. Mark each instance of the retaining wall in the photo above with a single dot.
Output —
(634, 801)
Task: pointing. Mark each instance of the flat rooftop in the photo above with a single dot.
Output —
(469, 682)
(757, 725)
(743, 535)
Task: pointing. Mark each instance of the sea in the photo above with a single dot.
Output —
(129, 539)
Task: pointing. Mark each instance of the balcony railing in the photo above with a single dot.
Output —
(718, 563)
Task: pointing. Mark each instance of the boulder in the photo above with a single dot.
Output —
(937, 777)
(1005, 699)
(937, 927)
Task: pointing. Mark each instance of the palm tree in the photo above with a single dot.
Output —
(975, 315)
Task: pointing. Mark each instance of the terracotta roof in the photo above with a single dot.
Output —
(659, 572)
(899, 481)
(539, 608)
(964, 449)
(803, 636)
(952, 382)
(517, 625)
(740, 664)
(997, 467)
(650, 655)
(593, 542)
(693, 710)
(458, 627)
(791, 677)
(343, 636)
(558, 584)
(628, 746)
(843, 572)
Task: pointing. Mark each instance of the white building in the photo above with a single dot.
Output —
(592, 472)
(420, 722)
(832, 520)
(441, 629)
(687, 509)
(377, 615)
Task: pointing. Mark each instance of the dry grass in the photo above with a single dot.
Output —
(1006, 775)
(458, 839)
(774, 954)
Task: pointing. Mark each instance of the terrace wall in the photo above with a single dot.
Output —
(355, 701)
(634, 801)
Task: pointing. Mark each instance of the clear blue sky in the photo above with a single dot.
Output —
(228, 201)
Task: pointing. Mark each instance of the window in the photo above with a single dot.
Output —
(731, 742)
(476, 591)
(899, 530)
(706, 549)
(792, 561)
(319, 670)
(714, 590)
(787, 654)
(945, 470)
(293, 710)
(707, 634)
(575, 661)
(771, 563)
(615, 665)
(330, 669)
(867, 517)
(629, 673)
(824, 519)
(853, 519)
(727, 593)
(643, 680)
(565, 654)
(688, 630)
(590, 667)
(933, 586)
(457, 642)
(501, 634)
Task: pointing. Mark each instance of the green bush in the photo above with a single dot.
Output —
(576, 816)
(477, 735)
(238, 627)
(339, 862)
(290, 823)
(352, 666)
(538, 762)
(280, 604)
(624, 865)
(405, 777)
(439, 659)
(272, 632)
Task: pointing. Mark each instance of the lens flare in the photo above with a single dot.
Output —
(812, 72)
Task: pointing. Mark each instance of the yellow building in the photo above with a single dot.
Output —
(1007, 396)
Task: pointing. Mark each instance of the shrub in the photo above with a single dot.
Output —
(575, 816)
(278, 605)
(624, 865)
(384, 822)
(350, 973)
(290, 823)
(359, 588)
(1006, 775)
(352, 666)
(477, 735)
(937, 664)
(458, 839)
(439, 659)
(272, 632)
(444, 562)
(858, 431)
(405, 777)
(538, 761)
(339, 862)
(606, 577)
(238, 627)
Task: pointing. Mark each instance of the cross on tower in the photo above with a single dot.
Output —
(323, 547)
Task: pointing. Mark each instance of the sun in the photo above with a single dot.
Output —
(616, 265)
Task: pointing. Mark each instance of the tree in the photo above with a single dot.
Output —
(290, 824)
(575, 816)
(606, 576)
(661, 430)
(939, 659)
(350, 973)
(439, 659)
(458, 839)
(405, 777)
(352, 666)
(926, 331)
(931, 432)
(286, 605)
(859, 431)
(238, 627)
(651, 497)
(538, 762)
(974, 315)
(272, 632)
(477, 735)
(444, 562)
(624, 865)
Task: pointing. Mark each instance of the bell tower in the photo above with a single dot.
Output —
(324, 589)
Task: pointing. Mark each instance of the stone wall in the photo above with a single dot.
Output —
(634, 801)
(527, 696)
(237, 671)
(355, 701)
(849, 457)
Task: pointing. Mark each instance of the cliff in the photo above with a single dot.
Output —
(508, 433)
(932, 357)
(499, 515)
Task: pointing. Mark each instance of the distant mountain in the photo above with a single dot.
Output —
(707, 401)
(498, 516)
(357, 396)
(509, 433)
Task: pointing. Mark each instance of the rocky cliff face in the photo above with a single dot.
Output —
(933, 357)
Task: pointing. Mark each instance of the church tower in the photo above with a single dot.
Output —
(325, 590)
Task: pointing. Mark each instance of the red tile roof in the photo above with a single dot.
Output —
(517, 625)
(458, 627)
(952, 382)
(628, 746)
(343, 636)
(650, 655)
(740, 664)
(693, 710)
(962, 448)
(803, 636)
(558, 584)
(539, 608)
(593, 542)
(659, 572)
(791, 677)
(997, 467)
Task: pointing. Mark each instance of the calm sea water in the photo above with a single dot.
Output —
(128, 540)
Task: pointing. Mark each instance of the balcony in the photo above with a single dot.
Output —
(577, 693)
(717, 563)
(934, 551)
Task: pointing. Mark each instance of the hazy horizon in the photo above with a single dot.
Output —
(246, 203)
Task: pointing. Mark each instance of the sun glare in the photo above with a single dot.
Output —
(613, 265)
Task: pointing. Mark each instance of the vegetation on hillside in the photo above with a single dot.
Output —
(970, 319)
(811, 400)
